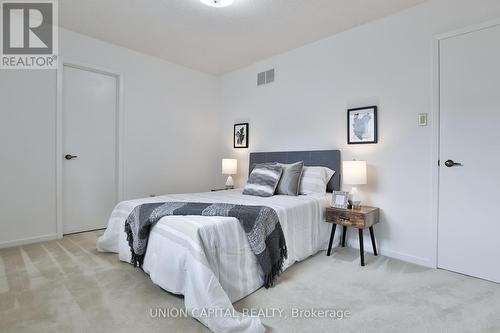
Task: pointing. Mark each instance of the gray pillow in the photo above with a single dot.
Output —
(290, 178)
(260, 164)
(263, 180)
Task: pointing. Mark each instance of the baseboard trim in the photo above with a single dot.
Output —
(392, 254)
(29, 240)
(408, 258)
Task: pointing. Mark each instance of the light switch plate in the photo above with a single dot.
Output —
(422, 119)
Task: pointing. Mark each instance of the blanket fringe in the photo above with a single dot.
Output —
(277, 268)
(136, 259)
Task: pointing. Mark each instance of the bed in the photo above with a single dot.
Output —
(209, 260)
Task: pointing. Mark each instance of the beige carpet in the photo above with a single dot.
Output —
(66, 286)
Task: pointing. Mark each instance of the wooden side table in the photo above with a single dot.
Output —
(362, 218)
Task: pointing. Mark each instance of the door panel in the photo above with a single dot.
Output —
(469, 225)
(89, 132)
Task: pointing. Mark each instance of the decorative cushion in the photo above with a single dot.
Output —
(263, 180)
(315, 179)
(290, 178)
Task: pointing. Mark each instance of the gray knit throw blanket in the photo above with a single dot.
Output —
(261, 225)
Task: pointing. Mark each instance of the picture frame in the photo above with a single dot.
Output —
(240, 135)
(362, 125)
(340, 199)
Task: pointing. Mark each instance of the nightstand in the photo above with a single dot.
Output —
(218, 189)
(362, 218)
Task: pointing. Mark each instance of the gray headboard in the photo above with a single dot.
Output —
(327, 158)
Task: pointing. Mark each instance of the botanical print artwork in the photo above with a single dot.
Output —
(362, 125)
(241, 135)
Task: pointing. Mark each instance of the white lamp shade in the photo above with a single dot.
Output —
(354, 172)
(229, 166)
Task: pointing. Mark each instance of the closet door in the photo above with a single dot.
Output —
(469, 213)
(89, 145)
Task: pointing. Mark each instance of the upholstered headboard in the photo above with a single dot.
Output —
(327, 158)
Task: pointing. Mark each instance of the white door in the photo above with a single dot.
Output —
(89, 134)
(469, 225)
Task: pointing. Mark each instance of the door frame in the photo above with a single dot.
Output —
(436, 130)
(59, 134)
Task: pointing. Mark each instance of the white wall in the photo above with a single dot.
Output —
(389, 63)
(27, 155)
(169, 140)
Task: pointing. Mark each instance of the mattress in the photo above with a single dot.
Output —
(208, 259)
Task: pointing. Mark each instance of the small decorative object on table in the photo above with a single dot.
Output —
(240, 136)
(361, 219)
(362, 125)
(339, 199)
(354, 173)
(229, 167)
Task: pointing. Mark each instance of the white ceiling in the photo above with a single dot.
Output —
(219, 40)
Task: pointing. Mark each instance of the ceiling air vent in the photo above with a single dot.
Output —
(265, 77)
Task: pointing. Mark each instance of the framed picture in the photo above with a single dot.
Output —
(362, 125)
(240, 136)
(340, 199)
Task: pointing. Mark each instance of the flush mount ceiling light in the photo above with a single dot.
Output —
(217, 3)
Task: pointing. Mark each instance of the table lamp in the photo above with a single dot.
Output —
(354, 173)
(229, 167)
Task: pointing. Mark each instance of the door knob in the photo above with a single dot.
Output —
(451, 163)
(70, 157)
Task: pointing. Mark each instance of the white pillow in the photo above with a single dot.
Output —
(315, 179)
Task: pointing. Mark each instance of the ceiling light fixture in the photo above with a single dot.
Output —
(217, 3)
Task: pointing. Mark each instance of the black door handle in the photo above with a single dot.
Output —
(70, 157)
(451, 163)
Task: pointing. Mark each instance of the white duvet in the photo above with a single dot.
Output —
(209, 260)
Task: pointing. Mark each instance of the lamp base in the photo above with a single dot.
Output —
(355, 201)
(229, 183)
